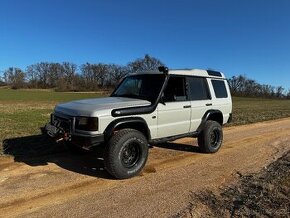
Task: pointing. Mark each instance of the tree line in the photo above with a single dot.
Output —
(245, 87)
(68, 76)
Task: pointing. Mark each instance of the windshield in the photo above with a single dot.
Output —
(145, 86)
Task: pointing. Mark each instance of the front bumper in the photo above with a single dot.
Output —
(85, 141)
(88, 141)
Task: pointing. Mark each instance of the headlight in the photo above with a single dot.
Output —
(86, 123)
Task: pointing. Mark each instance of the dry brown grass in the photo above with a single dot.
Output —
(265, 194)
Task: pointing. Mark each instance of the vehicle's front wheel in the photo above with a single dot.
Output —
(211, 137)
(126, 153)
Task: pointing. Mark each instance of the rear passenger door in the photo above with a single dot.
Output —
(174, 115)
(200, 98)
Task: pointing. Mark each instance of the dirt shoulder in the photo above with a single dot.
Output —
(68, 185)
(263, 194)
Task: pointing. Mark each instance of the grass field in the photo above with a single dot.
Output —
(252, 110)
(23, 112)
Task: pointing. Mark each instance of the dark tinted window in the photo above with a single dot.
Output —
(140, 86)
(198, 88)
(214, 73)
(219, 88)
(175, 90)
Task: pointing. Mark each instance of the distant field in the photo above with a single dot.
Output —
(33, 95)
(252, 110)
(24, 111)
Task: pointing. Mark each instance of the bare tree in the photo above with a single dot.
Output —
(243, 86)
(43, 70)
(279, 92)
(95, 75)
(100, 72)
(116, 73)
(144, 64)
(288, 94)
(2, 83)
(87, 73)
(15, 77)
(70, 71)
(33, 76)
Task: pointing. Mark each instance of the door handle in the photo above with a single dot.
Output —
(209, 104)
(187, 106)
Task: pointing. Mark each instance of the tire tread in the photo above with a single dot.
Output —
(111, 151)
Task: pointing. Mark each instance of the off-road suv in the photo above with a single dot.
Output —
(146, 108)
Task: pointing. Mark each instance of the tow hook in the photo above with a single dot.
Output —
(65, 137)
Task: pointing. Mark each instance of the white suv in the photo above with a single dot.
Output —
(146, 108)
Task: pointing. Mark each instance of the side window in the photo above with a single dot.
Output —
(198, 88)
(219, 88)
(175, 90)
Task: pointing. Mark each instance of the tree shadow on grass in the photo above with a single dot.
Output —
(39, 150)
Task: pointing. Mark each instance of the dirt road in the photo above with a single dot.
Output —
(68, 185)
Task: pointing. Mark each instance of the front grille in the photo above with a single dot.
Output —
(63, 123)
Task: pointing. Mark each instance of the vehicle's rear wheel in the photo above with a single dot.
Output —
(211, 137)
(126, 153)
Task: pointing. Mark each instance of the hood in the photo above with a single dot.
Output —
(98, 106)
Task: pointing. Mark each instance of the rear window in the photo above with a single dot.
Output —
(219, 88)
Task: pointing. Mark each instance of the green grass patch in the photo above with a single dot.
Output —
(10, 95)
(23, 112)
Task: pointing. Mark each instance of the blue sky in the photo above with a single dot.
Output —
(236, 37)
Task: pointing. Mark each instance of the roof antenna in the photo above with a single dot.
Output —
(163, 69)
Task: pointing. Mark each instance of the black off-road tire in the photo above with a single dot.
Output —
(211, 137)
(126, 153)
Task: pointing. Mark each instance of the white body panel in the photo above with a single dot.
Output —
(198, 109)
(222, 104)
(173, 119)
(97, 107)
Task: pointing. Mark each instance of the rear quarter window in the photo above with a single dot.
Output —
(219, 88)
